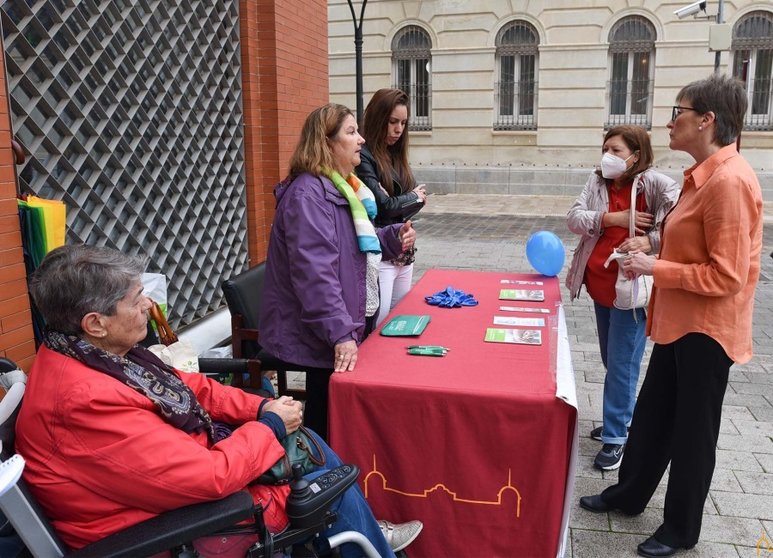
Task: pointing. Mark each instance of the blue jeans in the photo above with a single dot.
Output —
(621, 340)
(353, 511)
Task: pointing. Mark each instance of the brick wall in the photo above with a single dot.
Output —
(285, 75)
(16, 337)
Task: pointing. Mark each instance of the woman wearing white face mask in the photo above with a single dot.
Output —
(601, 217)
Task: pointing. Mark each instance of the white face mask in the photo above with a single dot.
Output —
(613, 166)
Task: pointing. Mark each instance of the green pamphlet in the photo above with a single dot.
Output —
(405, 326)
(537, 295)
(520, 336)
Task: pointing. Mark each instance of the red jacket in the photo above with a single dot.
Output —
(100, 458)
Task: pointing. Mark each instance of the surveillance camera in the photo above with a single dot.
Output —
(691, 9)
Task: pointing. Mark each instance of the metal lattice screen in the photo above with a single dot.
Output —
(130, 111)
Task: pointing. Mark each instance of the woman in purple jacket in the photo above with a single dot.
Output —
(321, 289)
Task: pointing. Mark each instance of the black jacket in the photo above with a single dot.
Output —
(398, 207)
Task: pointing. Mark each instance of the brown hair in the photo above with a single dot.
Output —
(312, 153)
(638, 141)
(725, 97)
(389, 158)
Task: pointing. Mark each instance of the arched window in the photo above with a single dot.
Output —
(412, 63)
(516, 92)
(753, 63)
(632, 65)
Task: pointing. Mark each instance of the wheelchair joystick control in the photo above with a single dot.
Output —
(299, 487)
(309, 500)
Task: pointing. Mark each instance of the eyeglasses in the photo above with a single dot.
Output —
(677, 110)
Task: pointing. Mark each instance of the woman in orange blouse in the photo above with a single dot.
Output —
(700, 316)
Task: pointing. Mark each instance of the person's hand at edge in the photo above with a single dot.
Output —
(638, 263)
(345, 356)
(636, 244)
(289, 410)
(407, 235)
(421, 192)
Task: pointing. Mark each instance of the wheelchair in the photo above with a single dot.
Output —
(308, 508)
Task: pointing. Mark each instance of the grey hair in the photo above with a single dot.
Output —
(72, 281)
(725, 97)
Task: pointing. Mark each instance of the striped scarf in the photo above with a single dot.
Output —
(362, 204)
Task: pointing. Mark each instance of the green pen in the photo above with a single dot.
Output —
(427, 350)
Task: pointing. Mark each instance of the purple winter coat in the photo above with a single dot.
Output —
(314, 290)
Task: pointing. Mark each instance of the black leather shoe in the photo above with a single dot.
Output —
(595, 504)
(652, 547)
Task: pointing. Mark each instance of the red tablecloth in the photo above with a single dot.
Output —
(475, 444)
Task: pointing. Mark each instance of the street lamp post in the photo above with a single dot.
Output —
(358, 54)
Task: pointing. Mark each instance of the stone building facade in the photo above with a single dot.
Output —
(514, 97)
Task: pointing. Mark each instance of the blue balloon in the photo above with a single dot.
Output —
(545, 253)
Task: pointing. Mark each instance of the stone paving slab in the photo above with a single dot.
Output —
(489, 233)
(492, 232)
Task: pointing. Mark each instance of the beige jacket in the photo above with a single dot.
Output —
(585, 216)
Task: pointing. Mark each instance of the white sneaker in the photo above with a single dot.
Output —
(401, 535)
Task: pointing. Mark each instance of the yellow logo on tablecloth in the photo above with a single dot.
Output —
(764, 545)
(498, 501)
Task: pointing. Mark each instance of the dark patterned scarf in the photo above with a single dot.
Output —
(144, 372)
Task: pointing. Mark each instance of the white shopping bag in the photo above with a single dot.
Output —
(155, 289)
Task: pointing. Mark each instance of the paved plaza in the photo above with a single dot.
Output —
(489, 233)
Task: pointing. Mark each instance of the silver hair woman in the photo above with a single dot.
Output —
(112, 436)
(75, 281)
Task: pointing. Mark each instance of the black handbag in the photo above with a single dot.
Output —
(300, 448)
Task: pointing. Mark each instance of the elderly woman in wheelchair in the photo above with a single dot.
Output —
(111, 436)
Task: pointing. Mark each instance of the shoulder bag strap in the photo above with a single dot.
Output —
(632, 212)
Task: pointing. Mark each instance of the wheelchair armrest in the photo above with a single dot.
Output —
(308, 507)
(309, 500)
(236, 368)
(171, 529)
(223, 365)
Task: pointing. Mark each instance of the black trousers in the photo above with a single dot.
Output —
(676, 420)
(317, 381)
(315, 409)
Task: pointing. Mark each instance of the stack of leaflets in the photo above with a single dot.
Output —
(519, 322)
(525, 309)
(521, 336)
(534, 295)
(520, 282)
(530, 291)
